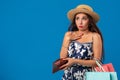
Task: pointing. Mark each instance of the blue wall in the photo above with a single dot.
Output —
(31, 34)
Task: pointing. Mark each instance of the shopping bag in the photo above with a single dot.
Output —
(107, 68)
(101, 76)
(57, 64)
(97, 76)
(104, 72)
(103, 67)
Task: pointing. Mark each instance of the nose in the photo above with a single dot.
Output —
(80, 22)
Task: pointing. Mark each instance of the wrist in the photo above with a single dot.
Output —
(76, 61)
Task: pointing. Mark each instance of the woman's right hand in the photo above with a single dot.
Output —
(74, 36)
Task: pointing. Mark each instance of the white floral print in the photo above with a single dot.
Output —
(78, 50)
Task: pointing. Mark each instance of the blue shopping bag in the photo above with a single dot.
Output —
(101, 76)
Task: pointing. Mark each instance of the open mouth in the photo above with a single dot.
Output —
(80, 26)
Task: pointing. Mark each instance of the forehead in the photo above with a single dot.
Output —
(81, 15)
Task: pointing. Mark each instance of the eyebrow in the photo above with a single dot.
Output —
(82, 16)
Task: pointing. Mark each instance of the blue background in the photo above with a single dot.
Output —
(31, 34)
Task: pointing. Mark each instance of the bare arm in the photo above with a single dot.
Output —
(65, 44)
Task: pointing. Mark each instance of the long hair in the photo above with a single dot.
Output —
(92, 27)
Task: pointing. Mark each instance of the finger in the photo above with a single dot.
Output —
(62, 67)
(81, 34)
(77, 38)
(65, 68)
(64, 58)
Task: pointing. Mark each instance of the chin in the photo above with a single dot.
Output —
(82, 29)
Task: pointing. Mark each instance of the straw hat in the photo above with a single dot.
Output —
(85, 9)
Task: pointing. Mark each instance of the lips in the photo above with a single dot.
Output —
(80, 26)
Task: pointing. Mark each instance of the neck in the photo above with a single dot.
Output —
(84, 32)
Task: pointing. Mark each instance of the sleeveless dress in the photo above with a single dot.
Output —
(82, 51)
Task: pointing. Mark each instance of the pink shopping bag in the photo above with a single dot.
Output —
(105, 67)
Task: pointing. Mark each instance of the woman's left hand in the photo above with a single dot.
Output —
(68, 64)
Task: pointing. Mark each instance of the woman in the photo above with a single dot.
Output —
(82, 43)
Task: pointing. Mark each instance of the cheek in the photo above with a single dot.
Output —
(76, 23)
(86, 23)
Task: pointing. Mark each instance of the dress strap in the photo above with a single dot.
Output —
(92, 37)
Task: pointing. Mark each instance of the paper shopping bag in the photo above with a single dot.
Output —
(103, 67)
(107, 68)
(101, 76)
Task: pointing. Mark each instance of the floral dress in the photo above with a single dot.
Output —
(82, 51)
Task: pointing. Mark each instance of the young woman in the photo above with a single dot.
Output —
(82, 43)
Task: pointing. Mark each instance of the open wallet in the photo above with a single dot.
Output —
(57, 64)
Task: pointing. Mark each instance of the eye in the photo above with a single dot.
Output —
(76, 18)
(84, 18)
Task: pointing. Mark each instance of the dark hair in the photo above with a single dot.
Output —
(92, 27)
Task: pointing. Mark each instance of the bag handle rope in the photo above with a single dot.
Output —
(99, 64)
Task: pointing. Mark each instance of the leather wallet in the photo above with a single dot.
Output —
(57, 64)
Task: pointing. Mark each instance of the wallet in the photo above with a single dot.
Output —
(57, 64)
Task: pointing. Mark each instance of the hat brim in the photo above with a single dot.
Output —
(72, 13)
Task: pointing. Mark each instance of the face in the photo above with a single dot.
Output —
(82, 21)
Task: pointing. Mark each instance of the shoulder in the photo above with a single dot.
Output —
(68, 33)
(96, 35)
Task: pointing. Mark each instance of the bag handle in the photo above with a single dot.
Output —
(99, 64)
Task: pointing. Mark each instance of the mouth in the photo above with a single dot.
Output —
(80, 26)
